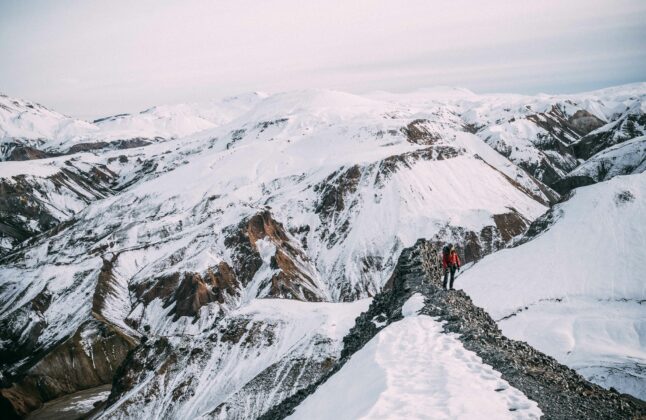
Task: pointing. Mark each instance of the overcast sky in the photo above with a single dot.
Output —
(94, 58)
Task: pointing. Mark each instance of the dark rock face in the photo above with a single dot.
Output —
(625, 128)
(510, 224)
(562, 132)
(419, 132)
(584, 122)
(18, 151)
(118, 145)
(87, 359)
(560, 392)
(563, 129)
(557, 143)
(337, 194)
(567, 184)
(25, 211)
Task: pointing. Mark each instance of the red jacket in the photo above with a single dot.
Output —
(451, 259)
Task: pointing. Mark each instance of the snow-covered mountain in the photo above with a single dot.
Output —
(31, 131)
(191, 251)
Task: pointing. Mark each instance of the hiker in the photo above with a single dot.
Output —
(450, 263)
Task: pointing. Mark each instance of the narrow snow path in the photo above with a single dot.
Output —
(412, 370)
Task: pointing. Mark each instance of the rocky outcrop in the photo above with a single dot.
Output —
(32, 205)
(292, 275)
(195, 291)
(42, 371)
(237, 368)
(584, 122)
(420, 132)
(628, 126)
(567, 184)
(563, 129)
(87, 359)
(19, 152)
(560, 392)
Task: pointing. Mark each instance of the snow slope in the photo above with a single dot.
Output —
(624, 158)
(247, 362)
(576, 291)
(24, 123)
(543, 134)
(413, 370)
(179, 120)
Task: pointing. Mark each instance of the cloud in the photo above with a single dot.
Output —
(96, 58)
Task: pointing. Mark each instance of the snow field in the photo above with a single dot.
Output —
(602, 340)
(576, 291)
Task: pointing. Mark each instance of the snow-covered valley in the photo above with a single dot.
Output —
(228, 247)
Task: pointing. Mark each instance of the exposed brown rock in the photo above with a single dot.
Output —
(262, 225)
(87, 359)
(334, 189)
(161, 287)
(290, 281)
(20, 153)
(510, 224)
(584, 122)
(105, 284)
(418, 132)
(224, 282)
(191, 295)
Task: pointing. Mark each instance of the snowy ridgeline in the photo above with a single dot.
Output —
(31, 124)
(413, 370)
(312, 196)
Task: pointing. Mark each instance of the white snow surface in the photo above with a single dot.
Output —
(413, 305)
(576, 291)
(34, 125)
(413, 370)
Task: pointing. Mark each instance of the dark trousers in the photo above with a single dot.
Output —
(448, 270)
